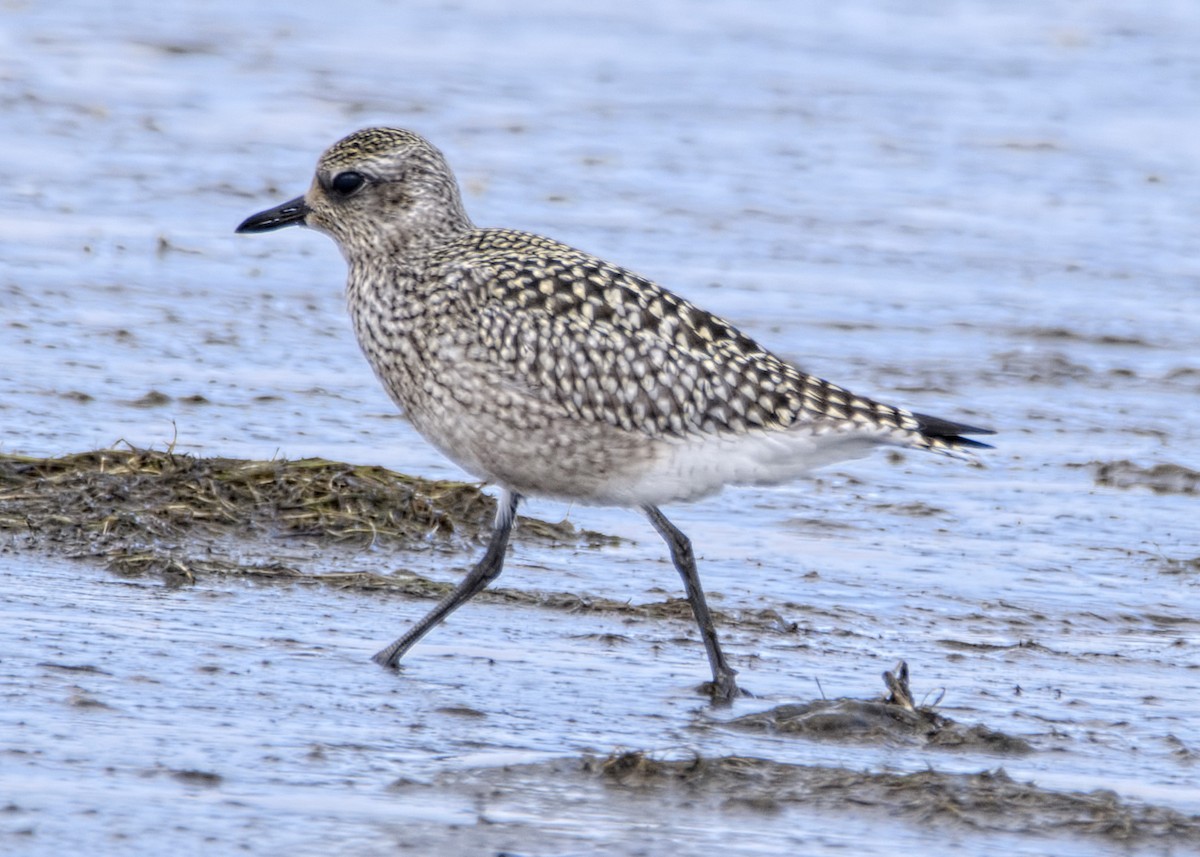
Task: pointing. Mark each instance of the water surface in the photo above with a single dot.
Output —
(983, 213)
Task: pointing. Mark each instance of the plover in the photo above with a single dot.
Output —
(550, 372)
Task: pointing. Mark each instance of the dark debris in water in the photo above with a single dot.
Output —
(989, 800)
(1161, 478)
(895, 720)
(198, 778)
(1170, 565)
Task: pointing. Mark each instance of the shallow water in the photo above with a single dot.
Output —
(986, 214)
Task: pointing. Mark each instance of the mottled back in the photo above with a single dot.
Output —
(610, 345)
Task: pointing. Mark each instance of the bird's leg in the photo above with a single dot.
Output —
(485, 571)
(724, 687)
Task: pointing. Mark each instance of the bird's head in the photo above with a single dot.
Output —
(377, 190)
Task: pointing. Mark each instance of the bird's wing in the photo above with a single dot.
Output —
(608, 345)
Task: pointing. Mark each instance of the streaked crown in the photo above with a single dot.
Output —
(370, 144)
(385, 194)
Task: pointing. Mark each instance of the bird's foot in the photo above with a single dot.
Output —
(387, 658)
(723, 689)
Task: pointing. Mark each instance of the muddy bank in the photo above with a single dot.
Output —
(117, 496)
(179, 516)
(140, 511)
(988, 800)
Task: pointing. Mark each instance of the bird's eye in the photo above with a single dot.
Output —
(346, 183)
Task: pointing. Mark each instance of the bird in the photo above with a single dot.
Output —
(549, 372)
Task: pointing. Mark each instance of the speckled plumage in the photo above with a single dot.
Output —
(551, 372)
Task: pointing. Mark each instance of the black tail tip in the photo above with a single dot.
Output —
(951, 432)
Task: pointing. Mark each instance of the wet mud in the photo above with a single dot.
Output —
(178, 518)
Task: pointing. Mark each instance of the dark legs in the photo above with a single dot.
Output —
(477, 579)
(724, 688)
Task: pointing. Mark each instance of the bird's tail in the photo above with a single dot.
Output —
(946, 436)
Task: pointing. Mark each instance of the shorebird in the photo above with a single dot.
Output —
(549, 372)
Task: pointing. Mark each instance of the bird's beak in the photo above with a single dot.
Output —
(291, 213)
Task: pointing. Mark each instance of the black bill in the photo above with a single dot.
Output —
(291, 213)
